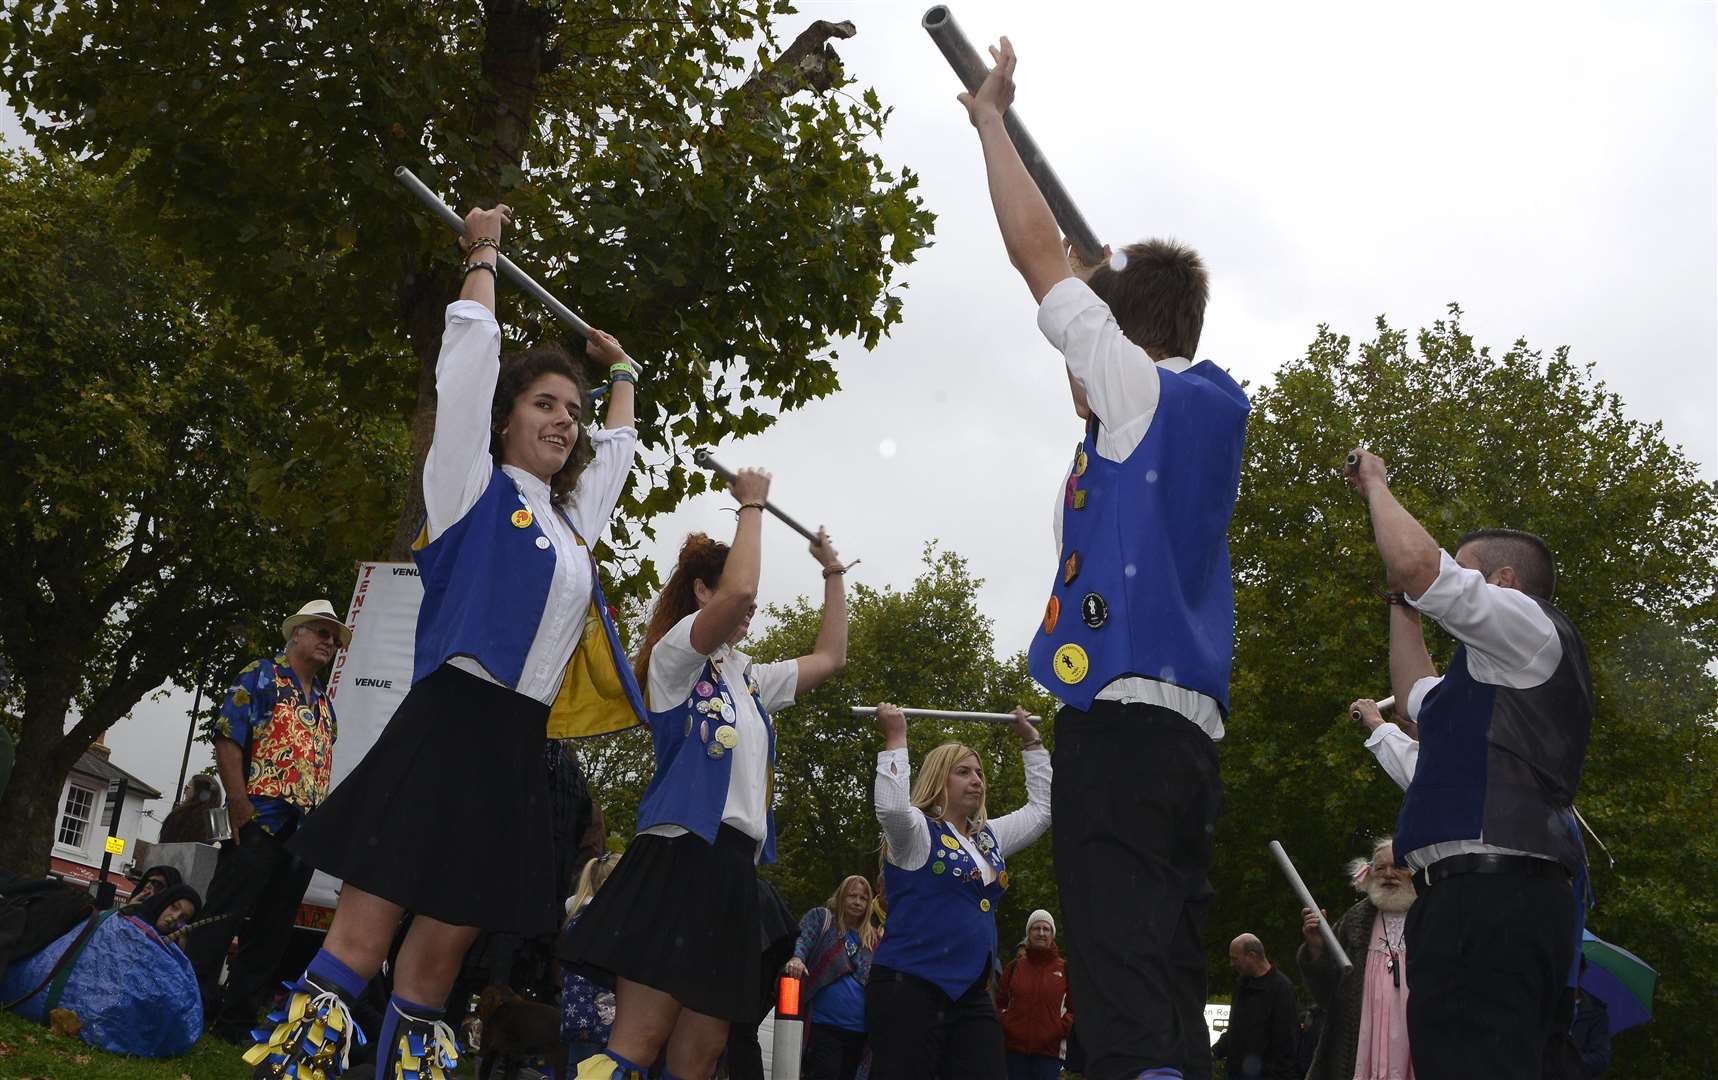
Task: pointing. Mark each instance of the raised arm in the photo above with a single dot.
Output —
(1395, 750)
(736, 594)
(829, 654)
(1019, 829)
(909, 842)
(621, 372)
(1029, 231)
(482, 246)
(1410, 554)
(1409, 660)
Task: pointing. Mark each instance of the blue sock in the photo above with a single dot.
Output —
(385, 1047)
(328, 970)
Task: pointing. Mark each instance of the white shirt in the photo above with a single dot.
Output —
(457, 471)
(675, 667)
(910, 839)
(1122, 385)
(1510, 642)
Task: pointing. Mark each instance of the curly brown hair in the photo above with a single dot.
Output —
(701, 559)
(519, 369)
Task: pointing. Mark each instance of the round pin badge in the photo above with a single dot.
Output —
(1052, 612)
(715, 750)
(728, 736)
(939, 868)
(704, 731)
(522, 518)
(957, 871)
(543, 543)
(1002, 879)
(984, 905)
(1071, 664)
(704, 689)
(1094, 610)
(950, 842)
(727, 711)
(1080, 462)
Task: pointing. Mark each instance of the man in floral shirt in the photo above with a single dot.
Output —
(274, 748)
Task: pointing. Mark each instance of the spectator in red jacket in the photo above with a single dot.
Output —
(1033, 1000)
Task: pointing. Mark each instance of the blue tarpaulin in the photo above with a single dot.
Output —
(132, 992)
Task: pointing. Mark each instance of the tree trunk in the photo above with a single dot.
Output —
(514, 50)
(30, 808)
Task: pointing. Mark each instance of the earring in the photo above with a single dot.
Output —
(936, 810)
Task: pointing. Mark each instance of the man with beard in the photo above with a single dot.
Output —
(274, 748)
(1365, 1033)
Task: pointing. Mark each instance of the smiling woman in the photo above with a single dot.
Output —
(514, 643)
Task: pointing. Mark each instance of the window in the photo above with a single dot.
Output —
(74, 823)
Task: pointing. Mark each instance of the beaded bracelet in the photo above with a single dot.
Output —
(484, 242)
(479, 264)
(623, 375)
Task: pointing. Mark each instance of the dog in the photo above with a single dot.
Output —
(514, 1030)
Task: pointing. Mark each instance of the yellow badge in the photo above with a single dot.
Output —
(984, 905)
(950, 842)
(1071, 664)
(1080, 462)
(1002, 879)
(727, 736)
(521, 518)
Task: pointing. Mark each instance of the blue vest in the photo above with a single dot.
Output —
(942, 916)
(1500, 765)
(486, 584)
(1144, 586)
(693, 763)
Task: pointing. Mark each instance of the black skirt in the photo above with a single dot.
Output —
(684, 917)
(448, 814)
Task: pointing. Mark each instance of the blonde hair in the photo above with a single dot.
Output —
(591, 879)
(834, 901)
(930, 789)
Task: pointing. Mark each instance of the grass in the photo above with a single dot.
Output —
(32, 1052)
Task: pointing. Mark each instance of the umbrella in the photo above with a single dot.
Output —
(1620, 979)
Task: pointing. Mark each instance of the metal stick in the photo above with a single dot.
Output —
(1307, 901)
(958, 51)
(507, 267)
(1382, 703)
(946, 714)
(706, 459)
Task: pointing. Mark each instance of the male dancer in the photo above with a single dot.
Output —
(1488, 822)
(1138, 635)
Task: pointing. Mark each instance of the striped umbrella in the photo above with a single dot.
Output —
(1620, 979)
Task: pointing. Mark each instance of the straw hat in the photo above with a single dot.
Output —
(317, 611)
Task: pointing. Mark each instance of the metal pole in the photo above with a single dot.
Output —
(1382, 703)
(945, 714)
(704, 458)
(190, 737)
(789, 1031)
(508, 270)
(105, 889)
(971, 68)
(1307, 901)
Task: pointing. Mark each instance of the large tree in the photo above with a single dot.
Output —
(173, 482)
(719, 210)
(1475, 438)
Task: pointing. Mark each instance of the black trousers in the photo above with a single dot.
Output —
(1488, 960)
(918, 1033)
(1135, 804)
(258, 884)
(832, 1053)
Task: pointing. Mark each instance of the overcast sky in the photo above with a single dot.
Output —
(1549, 166)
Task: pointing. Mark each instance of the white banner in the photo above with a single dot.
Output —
(370, 679)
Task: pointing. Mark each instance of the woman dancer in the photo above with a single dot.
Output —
(447, 815)
(677, 928)
(927, 1006)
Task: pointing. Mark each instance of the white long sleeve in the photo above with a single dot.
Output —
(904, 824)
(1396, 751)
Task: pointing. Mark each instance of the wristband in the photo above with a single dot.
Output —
(479, 264)
(1035, 744)
(751, 506)
(624, 365)
(623, 375)
(483, 242)
(839, 568)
